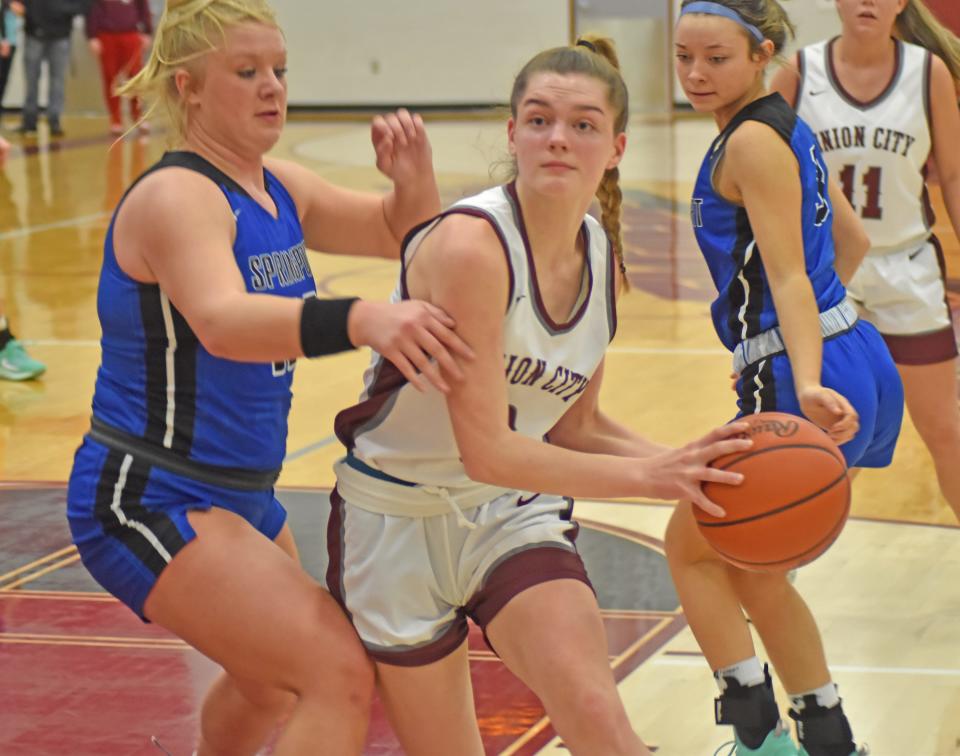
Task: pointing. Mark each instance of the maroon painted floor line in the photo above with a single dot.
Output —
(92, 679)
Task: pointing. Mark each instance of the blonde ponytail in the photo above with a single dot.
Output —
(917, 24)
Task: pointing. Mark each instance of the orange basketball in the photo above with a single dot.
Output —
(793, 502)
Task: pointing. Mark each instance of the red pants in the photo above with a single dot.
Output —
(121, 52)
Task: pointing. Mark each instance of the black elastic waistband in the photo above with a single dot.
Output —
(215, 475)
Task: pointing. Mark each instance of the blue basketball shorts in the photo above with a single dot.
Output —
(129, 519)
(856, 364)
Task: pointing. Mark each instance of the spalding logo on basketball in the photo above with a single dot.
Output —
(778, 428)
(793, 502)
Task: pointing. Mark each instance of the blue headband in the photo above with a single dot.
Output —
(715, 9)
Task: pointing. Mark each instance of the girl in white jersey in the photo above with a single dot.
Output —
(448, 507)
(881, 100)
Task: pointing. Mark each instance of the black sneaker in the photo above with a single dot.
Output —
(27, 129)
(56, 130)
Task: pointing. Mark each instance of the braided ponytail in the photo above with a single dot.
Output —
(608, 193)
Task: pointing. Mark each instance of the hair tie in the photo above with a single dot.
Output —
(716, 9)
(586, 43)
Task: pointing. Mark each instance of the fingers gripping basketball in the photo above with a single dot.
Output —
(793, 502)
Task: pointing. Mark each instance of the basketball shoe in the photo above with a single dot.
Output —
(16, 364)
(778, 743)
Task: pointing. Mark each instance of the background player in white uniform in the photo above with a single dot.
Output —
(880, 107)
(447, 509)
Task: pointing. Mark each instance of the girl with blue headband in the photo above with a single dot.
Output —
(781, 241)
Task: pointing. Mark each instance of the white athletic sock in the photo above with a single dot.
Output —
(3, 323)
(748, 673)
(827, 697)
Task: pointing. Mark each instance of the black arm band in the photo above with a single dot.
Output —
(323, 326)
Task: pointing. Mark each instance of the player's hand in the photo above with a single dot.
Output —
(96, 47)
(417, 337)
(4, 49)
(4, 149)
(680, 473)
(734, 377)
(402, 148)
(830, 411)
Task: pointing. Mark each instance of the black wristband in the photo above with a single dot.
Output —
(323, 326)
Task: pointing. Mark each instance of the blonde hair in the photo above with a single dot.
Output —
(593, 56)
(767, 15)
(188, 29)
(917, 24)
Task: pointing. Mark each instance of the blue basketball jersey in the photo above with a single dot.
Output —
(744, 305)
(159, 384)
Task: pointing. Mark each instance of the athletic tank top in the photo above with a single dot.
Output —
(744, 305)
(408, 435)
(158, 383)
(877, 150)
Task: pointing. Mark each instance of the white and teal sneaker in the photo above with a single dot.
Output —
(16, 364)
(777, 743)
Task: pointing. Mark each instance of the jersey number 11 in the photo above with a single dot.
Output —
(871, 181)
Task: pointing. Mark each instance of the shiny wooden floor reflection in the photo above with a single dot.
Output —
(887, 595)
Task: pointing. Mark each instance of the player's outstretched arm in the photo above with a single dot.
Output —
(405, 157)
(347, 222)
(175, 229)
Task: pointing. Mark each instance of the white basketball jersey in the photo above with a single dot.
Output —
(876, 150)
(409, 435)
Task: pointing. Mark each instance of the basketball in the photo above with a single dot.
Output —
(793, 502)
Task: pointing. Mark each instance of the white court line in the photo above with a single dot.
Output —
(17, 233)
(856, 668)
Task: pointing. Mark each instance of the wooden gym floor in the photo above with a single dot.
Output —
(79, 674)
